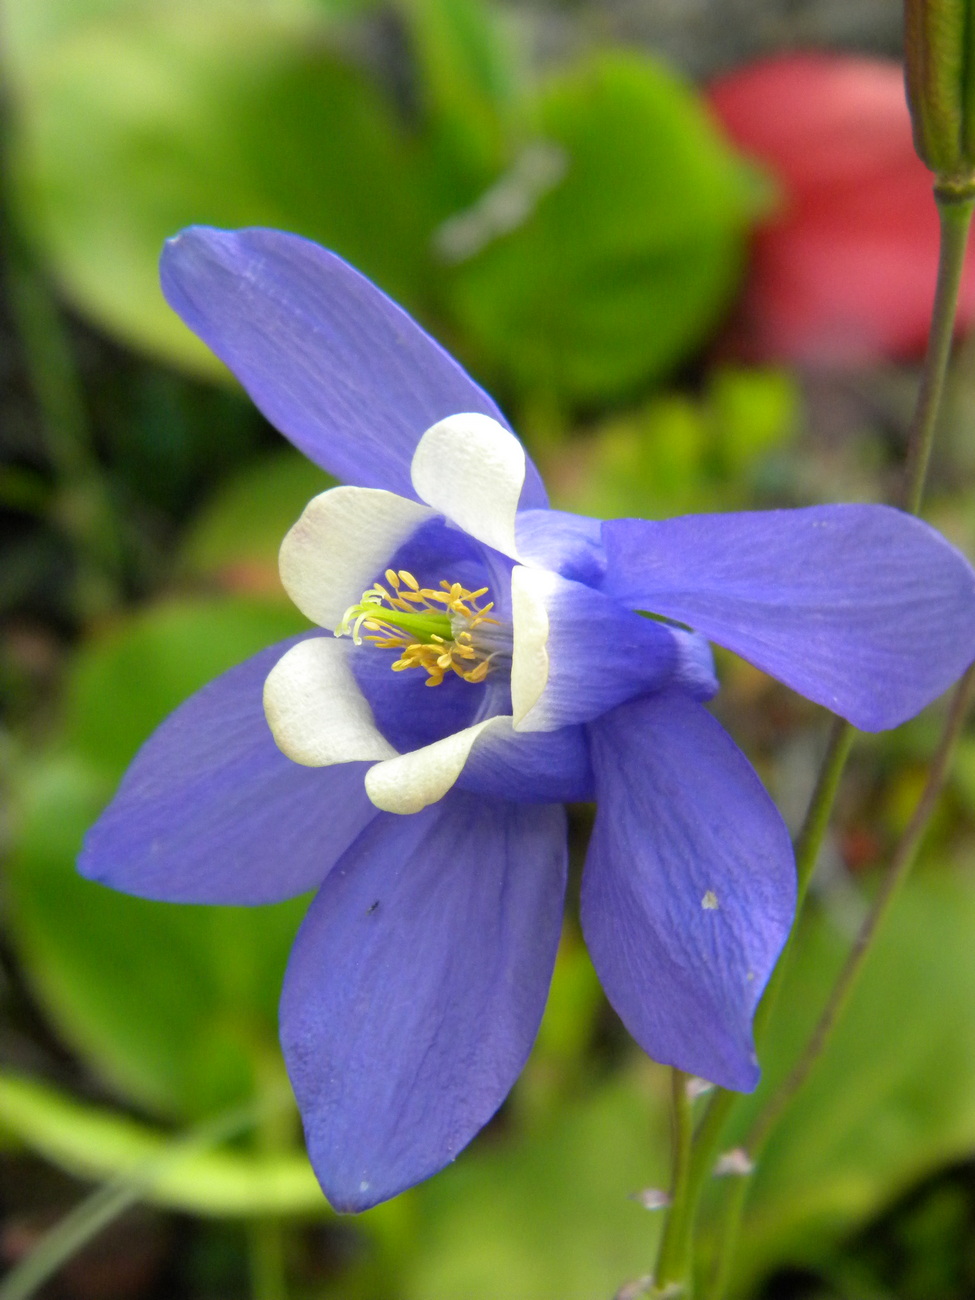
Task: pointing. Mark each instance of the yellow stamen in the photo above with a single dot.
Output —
(433, 629)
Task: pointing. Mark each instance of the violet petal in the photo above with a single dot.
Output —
(862, 608)
(689, 887)
(211, 811)
(332, 362)
(416, 987)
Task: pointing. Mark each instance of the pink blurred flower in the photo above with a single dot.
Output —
(843, 270)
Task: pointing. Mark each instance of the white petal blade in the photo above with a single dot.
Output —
(341, 544)
(411, 782)
(316, 712)
(471, 469)
(530, 589)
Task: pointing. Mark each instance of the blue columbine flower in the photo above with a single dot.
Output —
(424, 803)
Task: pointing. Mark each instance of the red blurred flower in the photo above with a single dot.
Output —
(843, 271)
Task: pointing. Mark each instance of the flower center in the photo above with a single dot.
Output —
(440, 631)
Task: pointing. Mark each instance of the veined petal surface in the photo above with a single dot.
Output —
(566, 543)
(862, 608)
(577, 654)
(211, 811)
(689, 886)
(315, 710)
(341, 543)
(416, 987)
(529, 766)
(332, 362)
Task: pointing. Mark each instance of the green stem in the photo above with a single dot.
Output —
(268, 1235)
(268, 1259)
(704, 1152)
(82, 507)
(82, 1224)
(728, 1232)
(673, 1261)
(901, 862)
(808, 844)
(809, 841)
(955, 215)
(707, 1139)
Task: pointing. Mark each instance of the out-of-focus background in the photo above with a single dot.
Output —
(687, 246)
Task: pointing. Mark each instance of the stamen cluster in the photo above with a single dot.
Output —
(434, 629)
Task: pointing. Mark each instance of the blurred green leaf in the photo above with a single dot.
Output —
(893, 1097)
(237, 535)
(176, 1006)
(548, 1216)
(623, 265)
(677, 455)
(95, 1143)
(31, 27)
(467, 77)
(135, 123)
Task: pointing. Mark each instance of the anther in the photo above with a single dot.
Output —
(433, 629)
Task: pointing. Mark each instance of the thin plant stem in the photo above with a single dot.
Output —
(267, 1235)
(82, 1224)
(809, 841)
(71, 1234)
(707, 1139)
(728, 1232)
(268, 1259)
(955, 215)
(902, 859)
(704, 1150)
(673, 1262)
(82, 508)
(808, 844)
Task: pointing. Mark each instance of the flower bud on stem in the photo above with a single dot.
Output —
(939, 44)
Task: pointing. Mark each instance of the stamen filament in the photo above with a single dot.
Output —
(433, 628)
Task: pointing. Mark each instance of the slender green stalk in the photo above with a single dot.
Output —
(707, 1139)
(82, 1224)
(728, 1232)
(809, 841)
(955, 215)
(268, 1235)
(82, 507)
(78, 1227)
(673, 1262)
(808, 844)
(704, 1150)
(902, 859)
(268, 1259)
(901, 862)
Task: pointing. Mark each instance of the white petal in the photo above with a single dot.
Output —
(530, 591)
(472, 469)
(409, 782)
(315, 710)
(341, 544)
